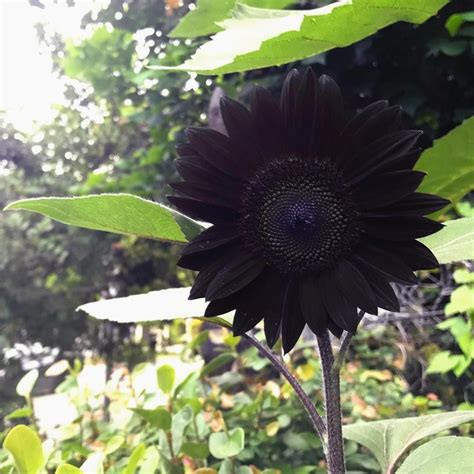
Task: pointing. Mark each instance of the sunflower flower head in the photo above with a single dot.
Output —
(313, 216)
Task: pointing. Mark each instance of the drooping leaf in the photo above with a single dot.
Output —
(453, 243)
(202, 21)
(456, 20)
(162, 305)
(449, 163)
(254, 38)
(165, 376)
(25, 447)
(118, 213)
(388, 440)
(159, 417)
(224, 445)
(440, 456)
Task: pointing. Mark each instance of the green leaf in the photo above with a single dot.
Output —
(19, 413)
(162, 305)
(225, 445)
(118, 213)
(216, 363)
(25, 446)
(447, 454)
(159, 417)
(195, 450)
(94, 463)
(453, 242)
(254, 38)
(26, 384)
(137, 455)
(450, 163)
(68, 469)
(442, 363)
(151, 461)
(179, 423)
(113, 444)
(462, 275)
(462, 300)
(165, 376)
(202, 21)
(456, 20)
(390, 439)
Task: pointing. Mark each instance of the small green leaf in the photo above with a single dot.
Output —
(114, 444)
(451, 178)
(19, 413)
(462, 275)
(94, 464)
(448, 454)
(26, 384)
(462, 300)
(195, 450)
(68, 469)
(137, 455)
(151, 461)
(203, 20)
(453, 242)
(456, 20)
(165, 376)
(118, 213)
(389, 440)
(216, 363)
(162, 305)
(442, 363)
(159, 417)
(254, 37)
(179, 423)
(25, 446)
(225, 445)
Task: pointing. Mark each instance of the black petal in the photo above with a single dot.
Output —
(202, 210)
(416, 204)
(388, 188)
(416, 255)
(398, 228)
(293, 322)
(355, 287)
(212, 238)
(312, 306)
(386, 262)
(242, 269)
(205, 194)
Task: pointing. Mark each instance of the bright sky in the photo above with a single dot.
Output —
(28, 88)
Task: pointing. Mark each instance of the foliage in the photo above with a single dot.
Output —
(255, 38)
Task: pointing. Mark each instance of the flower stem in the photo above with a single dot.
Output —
(332, 397)
(315, 417)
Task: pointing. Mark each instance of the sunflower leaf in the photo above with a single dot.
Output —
(445, 454)
(254, 37)
(202, 21)
(163, 305)
(118, 213)
(453, 243)
(389, 440)
(449, 163)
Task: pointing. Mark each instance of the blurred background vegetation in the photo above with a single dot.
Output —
(117, 133)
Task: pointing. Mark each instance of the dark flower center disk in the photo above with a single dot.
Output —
(297, 213)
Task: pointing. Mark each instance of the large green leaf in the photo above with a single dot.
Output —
(162, 305)
(454, 242)
(158, 417)
(118, 213)
(448, 454)
(390, 439)
(450, 163)
(202, 21)
(25, 446)
(255, 38)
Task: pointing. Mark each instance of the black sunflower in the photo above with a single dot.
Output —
(312, 215)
